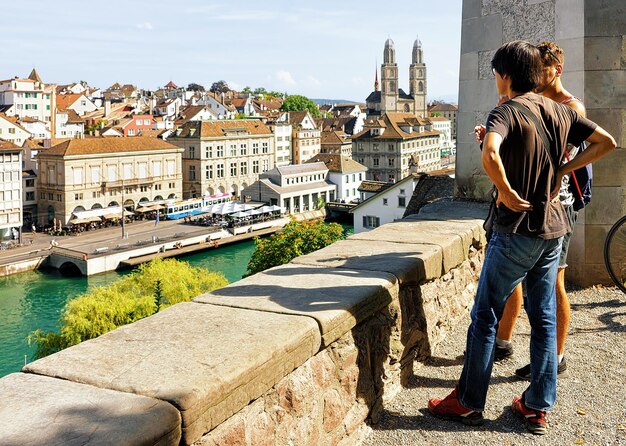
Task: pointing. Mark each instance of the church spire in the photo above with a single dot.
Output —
(34, 76)
(376, 84)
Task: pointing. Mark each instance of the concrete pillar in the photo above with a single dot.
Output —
(592, 35)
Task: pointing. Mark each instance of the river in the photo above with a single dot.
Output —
(36, 299)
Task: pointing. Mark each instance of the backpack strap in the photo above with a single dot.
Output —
(540, 130)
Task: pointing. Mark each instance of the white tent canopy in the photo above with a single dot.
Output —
(113, 210)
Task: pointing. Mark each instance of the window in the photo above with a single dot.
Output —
(143, 170)
(255, 166)
(60, 197)
(265, 147)
(376, 161)
(402, 202)
(392, 162)
(208, 152)
(233, 150)
(76, 197)
(391, 148)
(385, 202)
(158, 186)
(208, 172)
(30, 183)
(95, 194)
(30, 196)
(244, 168)
(220, 151)
(402, 192)
(370, 221)
(146, 122)
(192, 173)
(220, 171)
(265, 166)
(171, 185)
(243, 148)
(233, 169)
(156, 168)
(192, 152)
(375, 147)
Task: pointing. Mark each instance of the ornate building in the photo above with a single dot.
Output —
(391, 98)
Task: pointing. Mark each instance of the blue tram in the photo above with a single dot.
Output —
(193, 206)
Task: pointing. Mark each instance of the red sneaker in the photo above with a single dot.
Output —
(535, 419)
(450, 408)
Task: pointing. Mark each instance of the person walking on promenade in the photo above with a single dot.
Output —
(551, 86)
(526, 240)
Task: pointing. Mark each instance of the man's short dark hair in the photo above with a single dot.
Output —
(521, 61)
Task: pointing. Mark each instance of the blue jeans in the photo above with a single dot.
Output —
(509, 259)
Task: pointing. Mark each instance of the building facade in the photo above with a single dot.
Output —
(448, 111)
(394, 143)
(343, 172)
(305, 137)
(282, 130)
(12, 131)
(223, 156)
(391, 98)
(94, 173)
(10, 189)
(27, 97)
(295, 188)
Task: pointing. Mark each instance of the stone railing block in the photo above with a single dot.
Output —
(410, 263)
(39, 410)
(454, 238)
(208, 361)
(337, 299)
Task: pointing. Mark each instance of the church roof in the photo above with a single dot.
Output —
(34, 76)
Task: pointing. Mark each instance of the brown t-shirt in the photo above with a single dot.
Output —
(528, 166)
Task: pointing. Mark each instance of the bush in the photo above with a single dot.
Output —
(154, 286)
(296, 239)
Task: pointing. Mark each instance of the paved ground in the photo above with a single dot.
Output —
(591, 406)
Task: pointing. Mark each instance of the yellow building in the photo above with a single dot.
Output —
(93, 173)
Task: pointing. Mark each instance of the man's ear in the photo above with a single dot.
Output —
(559, 69)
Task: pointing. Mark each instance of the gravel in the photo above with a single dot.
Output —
(591, 403)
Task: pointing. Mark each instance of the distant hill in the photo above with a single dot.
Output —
(335, 101)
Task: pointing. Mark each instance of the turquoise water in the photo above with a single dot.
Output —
(36, 299)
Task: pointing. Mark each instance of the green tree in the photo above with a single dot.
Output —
(299, 103)
(296, 239)
(219, 87)
(160, 283)
(195, 87)
(260, 90)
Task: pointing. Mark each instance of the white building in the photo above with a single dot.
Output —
(343, 172)
(443, 125)
(296, 188)
(37, 129)
(27, 97)
(78, 102)
(384, 207)
(305, 137)
(11, 131)
(10, 188)
(282, 140)
(68, 124)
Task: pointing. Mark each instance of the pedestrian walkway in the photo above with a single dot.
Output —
(591, 405)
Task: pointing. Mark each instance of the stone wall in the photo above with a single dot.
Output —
(305, 353)
(592, 33)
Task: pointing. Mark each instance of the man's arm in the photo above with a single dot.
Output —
(495, 170)
(601, 144)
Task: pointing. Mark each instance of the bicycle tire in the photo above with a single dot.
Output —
(615, 253)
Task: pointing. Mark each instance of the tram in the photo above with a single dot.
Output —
(193, 206)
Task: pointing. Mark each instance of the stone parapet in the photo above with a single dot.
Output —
(304, 353)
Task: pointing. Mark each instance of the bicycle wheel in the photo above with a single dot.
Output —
(615, 253)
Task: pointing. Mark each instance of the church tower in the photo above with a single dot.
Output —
(389, 79)
(417, 79)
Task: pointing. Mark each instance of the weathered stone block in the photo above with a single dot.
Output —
(614, 122)
(605, 18)
(607, 205)
(484, 66)
(469, 66)
(471, 8)
(574, 54)
(479, 95)
(570, 21)
(481, 33)
(605, 89)
(610, 171)
(47, 411)
(521, 22)
(336, 298)
(453, 238)
(604, 53)
(208, 361)
(409, 263)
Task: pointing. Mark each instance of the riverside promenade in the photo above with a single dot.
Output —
(590, 408)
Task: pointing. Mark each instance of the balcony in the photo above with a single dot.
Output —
(131, 182)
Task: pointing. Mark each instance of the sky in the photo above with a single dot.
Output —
(321, 49)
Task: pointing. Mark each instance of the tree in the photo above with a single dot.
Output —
(155, 285)
(260, 91)
(299, 103)
(247, 90)
(219, 87)
(195, 87)
(296, 239)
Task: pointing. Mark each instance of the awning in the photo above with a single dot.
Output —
(78, 221)
(144, 209)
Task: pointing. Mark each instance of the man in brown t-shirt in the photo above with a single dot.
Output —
(526, 240)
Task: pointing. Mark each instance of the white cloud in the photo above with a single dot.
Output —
(285, 77)
(145, 25)
(312, 81)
